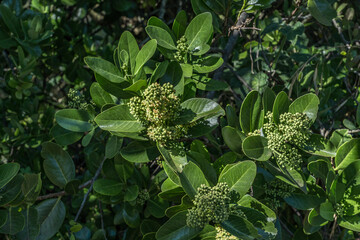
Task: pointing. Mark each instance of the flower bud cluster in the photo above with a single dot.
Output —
(142, 197)
(285, 138)
(254, 133)
(157, 110)
(182, 49)
(76, 100)
(275, 191)
(211, 204)
(222, 234)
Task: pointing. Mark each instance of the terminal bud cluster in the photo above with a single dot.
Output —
(157, 110)
(285, 138)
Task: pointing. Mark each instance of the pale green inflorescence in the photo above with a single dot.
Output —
(285, 138)
(212, 204)
(142, 197)
(182, 49)
(157, 110)
(222, 234)
(77, 100)
(275, 191)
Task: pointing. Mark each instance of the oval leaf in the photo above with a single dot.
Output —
(255, 147)
(74, 120)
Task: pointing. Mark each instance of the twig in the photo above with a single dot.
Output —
(162, 9)
(354, 131)
(285, 227)
(62, 193)
(90, 189)
(333, 228)
(230, 45)
(238, 77)
(337, 26)
(102, 219)
(9, 62)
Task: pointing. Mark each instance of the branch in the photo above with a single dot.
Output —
(231, 44)
(337, 26)
(162, 9)
(62, 193)
(90, 189)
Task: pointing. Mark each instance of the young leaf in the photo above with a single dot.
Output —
(99, 95)
(105, 69)
(199, 30)
(281, 105)
(250, 112)
(179, 24)
(162, 37)
(128, 43)
(146, 52)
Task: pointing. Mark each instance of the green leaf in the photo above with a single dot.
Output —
(250, 202)
(240, 227)
(185, 204)
(176, 228)
(175, 161)
(58, 165)
(99, 95)
(157, 206)
(131, 216)
(233, 138)
(250, 112)
(322, 11)
(174, 76)
(14, 223)
(255, 147)
(32, 227)
(128, 43)
(308, 104)
(281, 105)
(137, 86)
(199, 30)
(162, 37)
(339, 137)
(294, 177)
(105, 69)
(327, 211)
(139, 152)
(149, 226)
(198, 108)
(208, 64)
(123, 168)
(231, 117)
(192, 178)
(12, 190)
(131, 193)
(318, 145)
(239, 176)
(118, 119)
(74, 120)
(63, 136)
(312, 199)
(349, 152)
(31, 187)
(179, 24)
(113, 146)
(350, 222)
(358, 115)
(115, 89)
(72, 187)
(268, 100)
(87, 138)
(319, 168)
(146, 52)
(51, 215)
(315, 219)
(108, 187)
(7, 172)
(159, 71)
(10, 20)
(157, 22)
(3, 217)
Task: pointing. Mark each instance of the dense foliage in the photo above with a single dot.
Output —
(218, 119)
